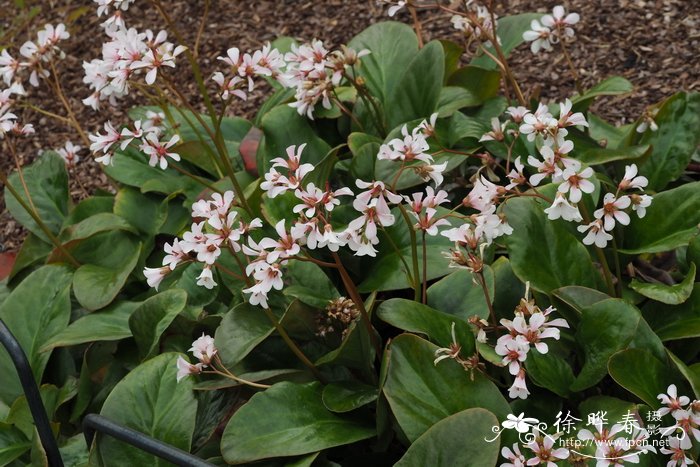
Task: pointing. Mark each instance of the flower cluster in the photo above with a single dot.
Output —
(104, 7)
(550, 29)
(477, 23)
(336, 317)
(218, 228)
(9, 123)
(128, 53)
(146, 134)
(239, 80)
(69, 154)
(686, 426)
(543, 449)
(530, 327)
(37, 55)
(411, 151)
(203, 350)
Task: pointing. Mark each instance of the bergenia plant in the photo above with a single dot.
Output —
(407, 257)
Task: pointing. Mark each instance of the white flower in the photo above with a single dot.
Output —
(519, 387)
(204, 349)
(154, 276)
(185, 368)
(206, 278)
(544, 452)
(516, 175)
(631, 180)
(517, 113)
(677, 452)
(612, 211)
(568, 118)
(496, 133)
(560, 21)
(577, 183)
(513, 352)
(540, 36)
(395, 8)
(640, 203)
(672, 401)
(515, 457)
(561, 208)
(175, 254)
(69, 153)
(596, 234)
(159, 151)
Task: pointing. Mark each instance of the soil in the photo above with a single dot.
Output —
(653, 43)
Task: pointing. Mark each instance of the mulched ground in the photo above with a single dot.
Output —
(653, 43)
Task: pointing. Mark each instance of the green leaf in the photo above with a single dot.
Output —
(13, 443)
(453, 98)
(606, 328)
(613, 86)
(669, 294)
(510, 31)
(35, 311)
(185, 278)
(443, 443)
(52, 398)
(642, 374)
(310, 284)
(575, 299)
(32, 251)
(469, 301)
(152, 317)
(150, 400)
(348, 396)
(421, 394)
(614, 136)
(671, 322)
(436, 326)
(241, 330)
(301, 425)
(146, 212)
(550, 371)
(674, 142)
(364, 150)
(110, 324)
(693, 377)
(284, 127)
(356, 350)
(392, 46)
(481, 83)
(131, 168)
(47, 183)
(102, 222)
(544, 252)
(417, 92)
(463, 126)
(111, 256)
(671, 221)
(596, 155)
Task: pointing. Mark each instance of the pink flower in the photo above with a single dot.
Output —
(672, 401)
(596, 234)
(159, 151)
(204, 349)
(185, 368)
(631, 180)
(544, 454)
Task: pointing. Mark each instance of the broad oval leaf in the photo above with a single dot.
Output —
(671, 322)
(470, 300)
(444, 443)
(642, 374)
(152, 317)
(421, 394)
(348, 395)
(669, 294)
(287, 419)
(35, 311)
(544, 252)
(150, 400)
(242, 328)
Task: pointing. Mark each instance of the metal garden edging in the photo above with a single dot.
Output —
(92, 423)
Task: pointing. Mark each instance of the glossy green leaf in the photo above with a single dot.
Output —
(550, 371)
(347, 396)
(32, 251)
(421, 394)
(242, 328)
(671, 221)
(102, 222)
(469, 301)
(606, 328)
(417, 91)
(444, 442)
(152, 317)
(146, 212)
(52, 398)
(392, 46)
(47, 183)
(150, 400)
(436, 326)
(693, 377)
(613, 86)
(642, 374)
(675, 140)
(301, 424)
(598, 155)
(364, 150)
(669, 294)
(310, 284)
(463, 126)
(544, 252)
(575, 299)
(35, 311)
(355, 351)
(481, 83)
(109, 324)
(13, 443)
(108, 259)
(510, 31)
(185, 278)
(671, 322)
(613, 136)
